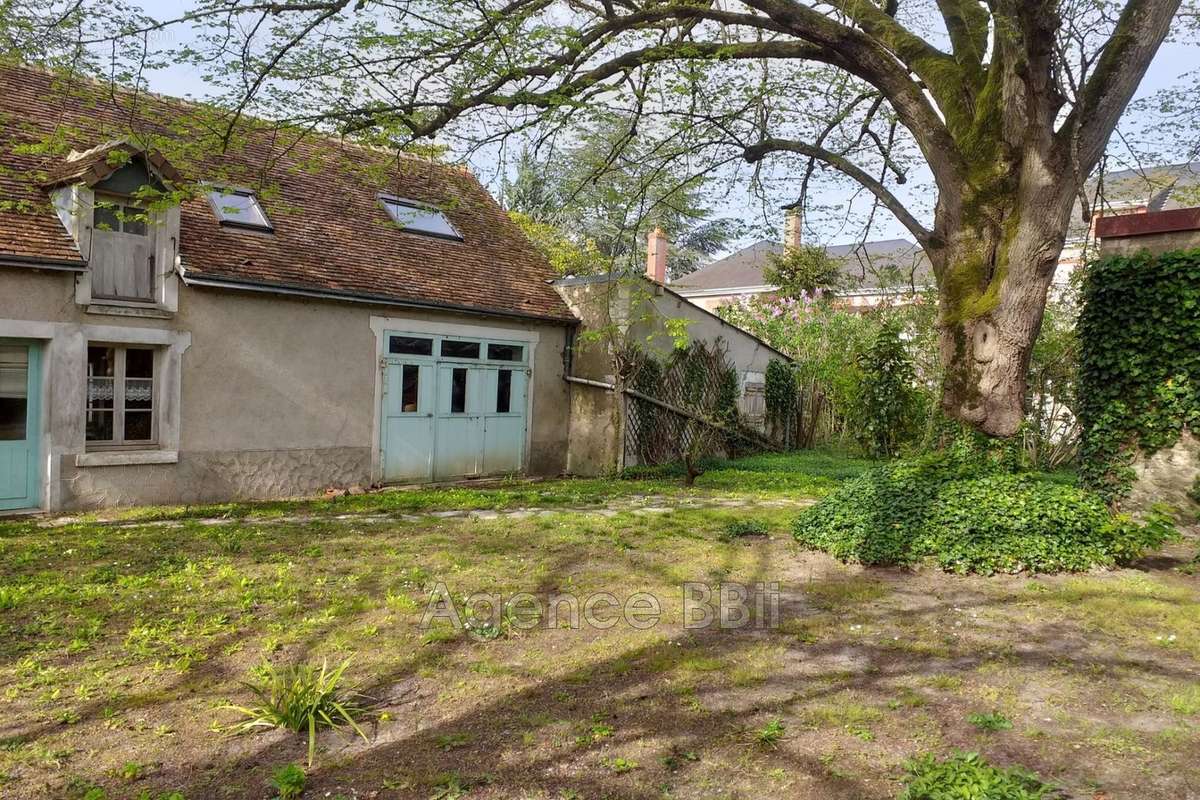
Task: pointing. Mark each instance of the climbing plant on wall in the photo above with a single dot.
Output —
(1139, 370)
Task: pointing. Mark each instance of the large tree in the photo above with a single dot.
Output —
(1008, 105)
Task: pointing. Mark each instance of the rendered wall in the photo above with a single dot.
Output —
(277, 394)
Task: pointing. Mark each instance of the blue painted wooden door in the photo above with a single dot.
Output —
(20, 408)
(408, 420)
(504, 419)
(459, 451)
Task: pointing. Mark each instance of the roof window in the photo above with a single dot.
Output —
(238, 208)
(415, 217)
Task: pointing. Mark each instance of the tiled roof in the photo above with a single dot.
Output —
(321, 194)
(94, 165)
(867, 265)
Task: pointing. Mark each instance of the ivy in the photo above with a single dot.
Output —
(965, 511)
(890, 400)
(1139, 370)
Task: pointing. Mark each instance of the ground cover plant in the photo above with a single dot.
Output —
(969, 514)
(121, 645)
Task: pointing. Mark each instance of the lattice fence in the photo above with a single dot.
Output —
(688, 401)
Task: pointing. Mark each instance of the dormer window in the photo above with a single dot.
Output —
(239, 208)
(415, 217)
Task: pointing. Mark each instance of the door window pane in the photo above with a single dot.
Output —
(504, 391)
(105, 217)
(458, 391)
(133, 221)
(409, 383)
(452, 349)
(410, 346)
(506, 352)
(14, 391)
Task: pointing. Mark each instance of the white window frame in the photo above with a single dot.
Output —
(221, 215)
(119, 442)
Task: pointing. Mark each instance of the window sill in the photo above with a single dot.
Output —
(147, 311)
(125, 458)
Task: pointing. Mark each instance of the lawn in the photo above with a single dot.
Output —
(122, 638)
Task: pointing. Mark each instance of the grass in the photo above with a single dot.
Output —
(121, 644)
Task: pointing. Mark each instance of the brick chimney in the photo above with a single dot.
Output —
(793, 228)
(656, 255)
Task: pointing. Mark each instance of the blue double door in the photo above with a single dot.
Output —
(20, 424)
(452, 408)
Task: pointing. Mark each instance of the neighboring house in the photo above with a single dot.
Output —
(635, 309)
(875, 273)
(182, 323)
(1131, 191)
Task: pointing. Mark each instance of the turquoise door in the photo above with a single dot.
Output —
(408, 403)
(459, 451)
(452, 407)
(20, 440)
(504, 419)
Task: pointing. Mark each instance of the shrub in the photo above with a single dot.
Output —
(966, 776)
(301, 698)
(970, 516)
(738, 528)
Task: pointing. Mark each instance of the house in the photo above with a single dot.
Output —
(316, 314)
(874, 273)
(620, 308)
(196, 308)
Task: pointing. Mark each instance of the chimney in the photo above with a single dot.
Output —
(656, 255)
(793, 228)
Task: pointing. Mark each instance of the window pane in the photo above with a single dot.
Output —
(102, 362)
(133, 220)
(409, 383)
(14, 389)
(139, 363)
(415, 218)
(452, 349)
(238, 207)
(105, 218)
(506, 352)
(504, 391)
(139, 426)
(139, 394)
(99, 426)
(458, 391)
(101, 369)
(410, 346)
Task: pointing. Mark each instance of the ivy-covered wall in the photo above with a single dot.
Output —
(1139, 381)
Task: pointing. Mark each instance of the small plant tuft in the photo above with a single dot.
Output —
(991, 722)
(301, 698)
(966, 776)
(770, 734)
(289, 781)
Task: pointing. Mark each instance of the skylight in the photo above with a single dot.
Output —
(419, 218)
(238, 208)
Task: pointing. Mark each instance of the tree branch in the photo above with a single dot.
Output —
(1139, 32)
(756, 152)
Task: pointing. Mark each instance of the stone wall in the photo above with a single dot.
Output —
(1168, 477)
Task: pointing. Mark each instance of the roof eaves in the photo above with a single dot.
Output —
(191, 278)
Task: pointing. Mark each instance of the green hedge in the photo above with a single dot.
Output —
(1139, 361)
(969, 516)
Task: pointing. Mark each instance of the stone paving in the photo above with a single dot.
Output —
(634, 504)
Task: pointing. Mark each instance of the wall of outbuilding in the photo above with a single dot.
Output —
(277, 393)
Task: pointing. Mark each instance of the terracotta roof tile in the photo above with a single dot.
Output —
(321, 194)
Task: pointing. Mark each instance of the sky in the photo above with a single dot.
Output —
(1173, 61)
